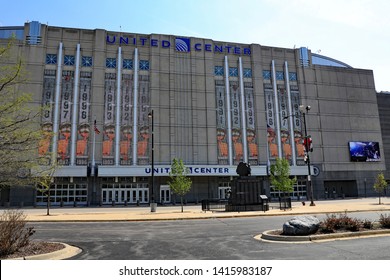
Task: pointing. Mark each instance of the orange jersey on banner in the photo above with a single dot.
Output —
(223, 149)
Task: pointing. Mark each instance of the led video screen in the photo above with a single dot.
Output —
(364, 151)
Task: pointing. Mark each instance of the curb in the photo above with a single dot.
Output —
(65, 253)
(267, 235)
(196, 216)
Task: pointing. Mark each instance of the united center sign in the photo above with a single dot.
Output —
(181, 44)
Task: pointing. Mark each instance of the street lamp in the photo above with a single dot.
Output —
(152, 204)
(302, 108)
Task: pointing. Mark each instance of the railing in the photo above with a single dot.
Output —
(214, 204)
(223, 205)
(285, 203)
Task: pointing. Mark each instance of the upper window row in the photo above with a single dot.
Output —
(247, 73)
(86, 61)
(233, 72)
(292, 76)
(128, 64)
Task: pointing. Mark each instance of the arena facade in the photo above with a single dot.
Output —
(213, 104)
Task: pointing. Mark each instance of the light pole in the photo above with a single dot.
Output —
(152, 203)
(307, 149)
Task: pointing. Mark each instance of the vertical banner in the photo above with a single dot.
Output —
(284, 122)
(236, 123)
(297, 122)
(270, 117)
(250, 125)
(63, 150)
(45, 145)
(109, 119)
(144, 132)
(222, 145)
(84, 127)
(126, 120)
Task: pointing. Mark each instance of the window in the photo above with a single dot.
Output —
(266, 75)
(224, 190)
(65, 194)
(304, 56)
(233, 72)
(247, 73)
(299, 191)
(218, 71)
(292, 76)
(127, 64)
(111, 62)
(8, 33)
(69, 60)
(144, 65)
(86, 61)
(34, 35)
(51, 59)
(279, 75)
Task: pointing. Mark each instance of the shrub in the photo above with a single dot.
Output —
(333, 223)
(353, 224)
(13, 231)
(384, 220)
(367, 224)
(329, 224)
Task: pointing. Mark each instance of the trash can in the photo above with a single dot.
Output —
(153, 207)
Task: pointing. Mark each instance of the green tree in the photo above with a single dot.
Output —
(280, 176)
(179, 182)
(19, 135)
(43, 178)
(380, 184)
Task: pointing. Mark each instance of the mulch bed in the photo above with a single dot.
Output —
(35, 248)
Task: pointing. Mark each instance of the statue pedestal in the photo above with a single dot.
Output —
(245, 195)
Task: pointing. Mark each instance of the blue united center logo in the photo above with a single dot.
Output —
(182, 44)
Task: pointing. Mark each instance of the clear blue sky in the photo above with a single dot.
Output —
(356, 32)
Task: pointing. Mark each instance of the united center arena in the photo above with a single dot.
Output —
(213, 104)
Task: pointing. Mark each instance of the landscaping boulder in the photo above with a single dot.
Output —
(302, 225)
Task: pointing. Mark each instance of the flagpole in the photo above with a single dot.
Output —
(93, 149)
(93, 162)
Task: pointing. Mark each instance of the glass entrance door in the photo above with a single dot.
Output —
(121, 194)
(224, 192)
(165, 194)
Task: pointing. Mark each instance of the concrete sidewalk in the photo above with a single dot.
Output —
(143, 213)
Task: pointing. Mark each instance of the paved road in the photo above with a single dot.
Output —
(216, 239)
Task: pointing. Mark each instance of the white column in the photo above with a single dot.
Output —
(75, 108)
(290, 114)
(118, 107)
(228, 109)
(135, 106)
(243, 112)
(277, 117)
(57, 105)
